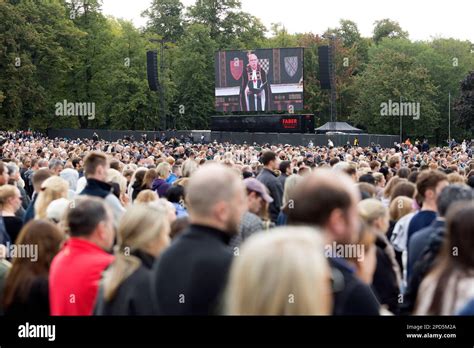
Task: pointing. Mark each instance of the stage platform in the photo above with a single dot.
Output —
(232, 137)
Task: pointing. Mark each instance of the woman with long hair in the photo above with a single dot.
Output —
(150, 176)
(387, 192)
(52, 188)
(399, 207)
(365, 264)
(10, 202)
(287, 203)
(188, 168)
(26, 288)
(387, 276)
(136, 183)
(283, 272)
(126, 290)
(450, 286)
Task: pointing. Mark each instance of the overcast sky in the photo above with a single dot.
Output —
(423, 19)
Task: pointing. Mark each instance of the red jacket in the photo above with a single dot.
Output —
(74, 277)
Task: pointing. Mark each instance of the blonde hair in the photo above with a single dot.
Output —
(371, 210)
(455, 178)
(52, 189)
(283, 272)
(378, 178)
(170, 209)
(400, 207)
(115, 177)
(366, 238)
(6, 192)
(146, 196)
(139, 226)
(188, 168)
(163, 170)
(290, 184)
(181, 182)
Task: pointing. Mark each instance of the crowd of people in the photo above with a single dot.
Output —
(166, 227)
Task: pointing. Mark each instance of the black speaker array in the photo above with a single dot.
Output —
(152, 70)
(324, 67)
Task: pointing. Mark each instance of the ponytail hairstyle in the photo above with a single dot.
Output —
(141, 225)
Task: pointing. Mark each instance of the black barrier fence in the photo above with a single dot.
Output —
(232, 137)
(304, 139)
(113, 135)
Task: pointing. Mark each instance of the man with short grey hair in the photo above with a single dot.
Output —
(16, 180)
(43, 163)
(56, 166)
(190, 276)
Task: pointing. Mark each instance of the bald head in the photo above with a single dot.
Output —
(328, 199)
(210, 185)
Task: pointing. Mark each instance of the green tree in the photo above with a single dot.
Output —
(447, 61)
(465, 104)
(228, 25)
(195, 78)
(387, 28)
(165, 19)
(88, 80)
(316, 101)
(129, 104)
(394, 76)
(18, 86)
(280, 37)
(35, 60)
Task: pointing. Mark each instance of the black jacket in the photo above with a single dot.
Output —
(282, 179)
(385, 282)
(13, 226)
(268, 178)
(420, 241)
(421, 267)
(30, 211)
(351, 295)
(97, 188)
(137, 188)
(133, 296)
(189, 277)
